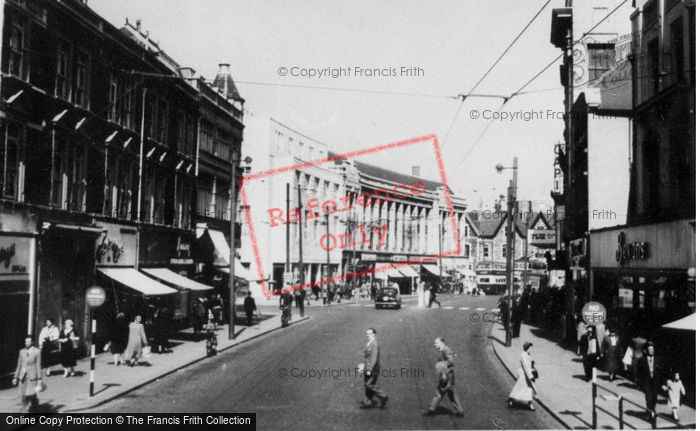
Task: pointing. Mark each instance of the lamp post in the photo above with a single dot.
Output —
(235, 161)
(510, 243)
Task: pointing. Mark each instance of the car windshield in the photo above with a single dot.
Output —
(387, 291)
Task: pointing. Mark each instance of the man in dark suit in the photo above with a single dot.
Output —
(286, 305)
(28, 374)
(371, 371)
(590, 350)
(650, 376)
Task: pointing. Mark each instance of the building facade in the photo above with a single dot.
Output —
(99, 135)
(596, 77)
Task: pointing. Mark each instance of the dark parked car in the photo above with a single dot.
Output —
(388, 297)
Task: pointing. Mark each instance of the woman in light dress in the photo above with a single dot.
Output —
(524, 390)
(137, 339)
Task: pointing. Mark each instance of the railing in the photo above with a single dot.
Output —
(621, 399)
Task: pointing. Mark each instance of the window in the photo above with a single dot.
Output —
(69, 185)
(11, 159)
(504, 250)
(82, 80)
(62, 81)
(18, 63)
(467, 250)
(162, 135)
(653, 71)
(149, 119)
(183, 194)
(486, 250)
(125, 102)
(112, 110)
(677, 49)
(601, 59)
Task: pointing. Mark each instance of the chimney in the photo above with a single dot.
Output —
(138, 25)
(415, 171)
(225, 68)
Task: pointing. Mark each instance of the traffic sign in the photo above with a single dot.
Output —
(95, 296)
(593, 313)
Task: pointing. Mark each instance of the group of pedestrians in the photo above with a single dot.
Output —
(647, 369)
(444, 368)
(63, 342)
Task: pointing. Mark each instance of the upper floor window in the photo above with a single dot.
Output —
(18, 62)
(113, 89)
(82, 80)
(62, 80)
(162, 135)
(504, 251)
(601, 59)
(467, 250)
(12, 164)
(678, 49)
(486, 251)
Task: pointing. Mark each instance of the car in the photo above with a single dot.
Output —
(388, 297)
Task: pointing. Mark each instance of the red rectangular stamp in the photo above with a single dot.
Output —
(377, 212)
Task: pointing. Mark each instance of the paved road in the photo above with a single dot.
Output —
(258, 376)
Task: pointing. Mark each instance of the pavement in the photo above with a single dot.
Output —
(71, 394)
(305, 378)
(563, 391)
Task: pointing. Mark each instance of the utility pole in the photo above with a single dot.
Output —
(510, 245)
(440, 235)
(328, 251)
(287, 264)
(527, 241)
(232, 250)
(301, 233)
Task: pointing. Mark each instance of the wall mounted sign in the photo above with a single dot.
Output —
(630, 251)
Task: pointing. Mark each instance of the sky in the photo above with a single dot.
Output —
(447, 44)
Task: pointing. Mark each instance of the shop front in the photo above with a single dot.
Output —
(17, 271)
(645, 277)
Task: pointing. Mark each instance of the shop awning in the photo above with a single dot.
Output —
(687, 323)
(407, 271)
(433, 269)
(164, 274)
(383, 272)
(138, 281)
(223, 250)
(241, 271)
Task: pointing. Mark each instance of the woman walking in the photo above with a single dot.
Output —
(68, 342)
(611, 354)
(524, 389)
(137, 339)
(48, 343)
(118, 336)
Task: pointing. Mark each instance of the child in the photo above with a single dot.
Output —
(675, 389)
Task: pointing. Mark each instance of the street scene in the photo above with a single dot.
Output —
(347, 215)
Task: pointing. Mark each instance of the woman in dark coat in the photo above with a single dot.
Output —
(611, 353)
(118, 336)
(68, 341)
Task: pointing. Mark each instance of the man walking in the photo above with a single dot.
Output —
(28, 375)
(590, 350)
(249, 307)
(371, 371)
(649, 374)
(433, 296)
(302, 298)
(446, 380)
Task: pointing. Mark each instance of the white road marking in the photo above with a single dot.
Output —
(495, 309)
(448, 307)
(480, 309)
(464, 308)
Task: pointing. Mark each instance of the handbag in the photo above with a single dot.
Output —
(627, 359)
(40, 387)
(106, 347)
(146, 351)
(535, 373)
